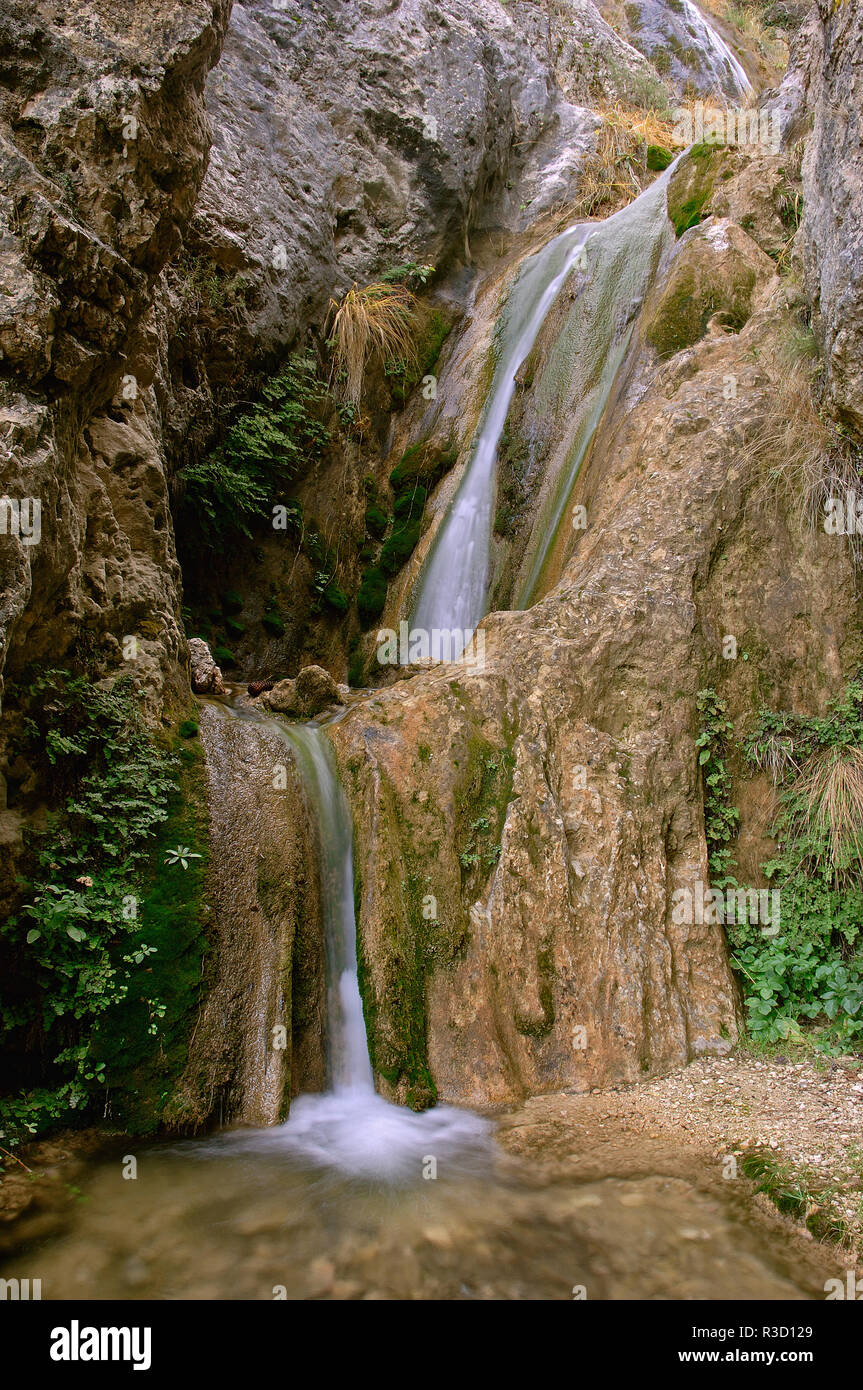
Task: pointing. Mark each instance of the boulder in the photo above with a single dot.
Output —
(205, 674)
(312, 691)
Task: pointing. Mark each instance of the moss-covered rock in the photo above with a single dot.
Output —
(372, 595)
(399, 546)
(716, 273)
(691, 185)
(376, 521)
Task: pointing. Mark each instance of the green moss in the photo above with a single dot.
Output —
(224, 657)
(409, 504)
(422, 464)
(690, 300)
(692, 185)
(232, 602)
(483, 794)
(376, 520)
(188, 728)
(234, 628)
(372, 595)
(398, 548)
(658, 157)
(336, 598)
(274, 624)
(356, 671)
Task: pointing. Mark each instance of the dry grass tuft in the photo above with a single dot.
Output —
(375, 321)
(831, 793)
(617, 170)
(796, 452)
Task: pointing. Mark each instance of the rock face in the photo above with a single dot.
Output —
(832, 231)
(682, 45)
(267, 968)
(521, 828)
(103, 143)
(347, 141)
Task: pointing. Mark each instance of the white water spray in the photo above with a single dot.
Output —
(350, 1127)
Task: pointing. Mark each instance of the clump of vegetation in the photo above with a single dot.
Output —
(265, 449)
(806, 972)
(86, 988)
(377, 521)
(721, 818)
(631, 145)
(205, 285)
(432, 328)
(372, 595)
(797, 453)
(797, 1192)
(371, 322)
(399, 546)
(273, 623)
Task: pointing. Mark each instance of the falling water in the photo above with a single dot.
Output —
(722, 62)
(350, 1127)
(451, 595)
(621, 257)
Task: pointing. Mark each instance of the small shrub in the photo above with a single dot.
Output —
(376, 321)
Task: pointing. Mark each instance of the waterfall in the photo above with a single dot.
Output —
(452, 590)
(621, 255)
(348, 1055)
(350, 1127)
(723, 64)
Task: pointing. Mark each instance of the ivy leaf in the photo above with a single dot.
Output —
(33, 936)
(75, 933)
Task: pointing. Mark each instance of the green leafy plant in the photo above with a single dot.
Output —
(266, 448)
(810, 976)
(721, 818)
(75, 946)
(181, 855)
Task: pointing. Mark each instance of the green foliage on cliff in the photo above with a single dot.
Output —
(720, 816)
(807, 978)
(266, 448)
(90, 961)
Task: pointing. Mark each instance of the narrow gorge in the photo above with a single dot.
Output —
(431, 650)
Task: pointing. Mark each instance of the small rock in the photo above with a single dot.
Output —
(205, 674)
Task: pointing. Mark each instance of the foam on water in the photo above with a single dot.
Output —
(350, 1128)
